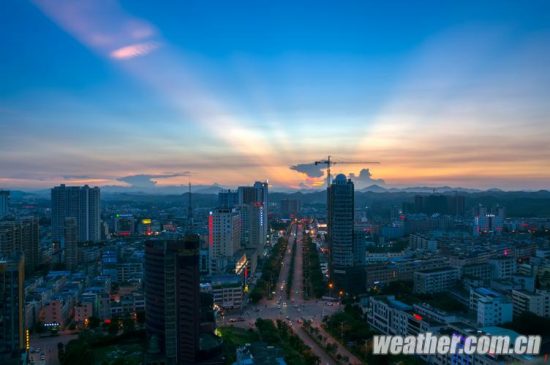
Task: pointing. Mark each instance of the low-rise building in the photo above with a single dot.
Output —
(227, 290)
(537, 303)
(435, 280)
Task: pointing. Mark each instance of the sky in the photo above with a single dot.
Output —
(164, 92)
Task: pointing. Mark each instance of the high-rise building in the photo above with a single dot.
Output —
(340, 228)
(253, 201)
(225, 238)
(10, 238)
(21, 236)
(4, 199)
(262, 195)
(228, 199)
(290, 208)
(12, 321)
(438, 203)
(124, 225)
(30, 240)
(172, 294)
(70, 241)
(80, 202)
(246, 195)
(488, 221)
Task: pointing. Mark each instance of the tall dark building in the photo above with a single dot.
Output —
(442, 204)
(4, 200)
(228, 199)
(21, 236)
(340, 228)
(30, 238)
(80, 202)
(290, 208)
(12, 291)
(172, 297)
(70, 243)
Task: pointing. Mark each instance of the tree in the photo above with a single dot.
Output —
(93, 322)
(60, 352)
(114, 326)
(128, 324)
(78, 352)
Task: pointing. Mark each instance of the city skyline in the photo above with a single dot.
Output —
(129, 94)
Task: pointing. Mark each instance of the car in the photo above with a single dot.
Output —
(42, 357)
(232, 320)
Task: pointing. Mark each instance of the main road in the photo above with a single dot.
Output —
(295, 309)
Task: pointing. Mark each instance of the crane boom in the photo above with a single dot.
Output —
(330, 162)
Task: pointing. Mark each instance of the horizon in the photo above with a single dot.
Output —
(146, 96)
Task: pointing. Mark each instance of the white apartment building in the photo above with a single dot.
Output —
(537, 302)
(435, 280)
(492, 311)
(224, 237)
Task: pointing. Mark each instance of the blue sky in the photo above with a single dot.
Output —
(450, 93)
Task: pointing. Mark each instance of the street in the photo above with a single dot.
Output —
(293, 310)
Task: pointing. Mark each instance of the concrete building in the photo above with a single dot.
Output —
(488, 221)
(21, 236)
(4, 201)
(70, 243)
(173, 298)
(392, 317)
(290, 208)
(82, 312)
(435, 280)
(537, 302)
(503, 267)
(253, 205)
(228, 199)
(12, 330)
(492, 311)
(56, 312)
(81, 203)
(226, 290)
(125, 225)
(422, 242)
(481, 271)
(224, 227)
(340, 229)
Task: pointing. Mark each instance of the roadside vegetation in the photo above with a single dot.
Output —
(120, 345)
(291, 270)
(280, 334)
(233, 338)
(270, 272)
(314, 285)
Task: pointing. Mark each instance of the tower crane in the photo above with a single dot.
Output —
(328, 162)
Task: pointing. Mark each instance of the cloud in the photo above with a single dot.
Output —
(311, 170)
(76, 177)
(146, 180)
(134, 50)
(365, 178)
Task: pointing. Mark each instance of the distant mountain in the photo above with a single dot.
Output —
(436, 189)
(375, 189)
(162, 190)
(208, 189)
